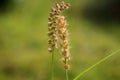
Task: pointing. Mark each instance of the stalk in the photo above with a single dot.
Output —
(52, 66)
(66, 71)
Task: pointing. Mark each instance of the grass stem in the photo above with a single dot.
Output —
(52, 67)
(66, 71)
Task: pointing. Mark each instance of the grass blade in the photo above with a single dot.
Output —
(97, 63)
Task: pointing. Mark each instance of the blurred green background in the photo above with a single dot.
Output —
(23, 42)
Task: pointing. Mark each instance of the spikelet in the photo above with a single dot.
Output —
(58, 32)
(64, 43)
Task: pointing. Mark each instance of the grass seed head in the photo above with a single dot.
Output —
(58, 32)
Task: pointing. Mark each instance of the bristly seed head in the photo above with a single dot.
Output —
(58, 32)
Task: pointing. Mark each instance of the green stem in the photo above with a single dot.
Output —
(94, 65)
(52, 66)
(66, 71)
